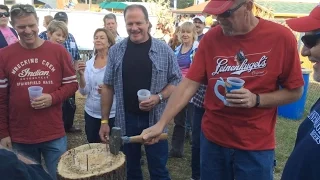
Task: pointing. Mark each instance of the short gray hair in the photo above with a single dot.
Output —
(109, 16)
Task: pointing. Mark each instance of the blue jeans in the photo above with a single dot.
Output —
(179, 132)
(92, 128)
(220, 163)
(195, 147)
(157, 154)
(50, 150)
(190, 110)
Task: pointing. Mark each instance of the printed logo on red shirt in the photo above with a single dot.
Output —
(240, 63)
(28, 76)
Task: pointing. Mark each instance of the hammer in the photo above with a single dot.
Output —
(116, 140)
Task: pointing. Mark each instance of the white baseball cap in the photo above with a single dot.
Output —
(200, 17)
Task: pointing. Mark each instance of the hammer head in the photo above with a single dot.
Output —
(115, 140)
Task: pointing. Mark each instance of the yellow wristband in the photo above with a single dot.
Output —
(105, 121)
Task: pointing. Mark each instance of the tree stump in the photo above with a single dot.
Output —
(91, 162)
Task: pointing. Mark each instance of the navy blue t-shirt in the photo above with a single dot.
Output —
(304, 161)
(11, 168)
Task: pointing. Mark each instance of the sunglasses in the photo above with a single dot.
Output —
(310, 40)
(229, 12)
(5, 14)
(18, 9)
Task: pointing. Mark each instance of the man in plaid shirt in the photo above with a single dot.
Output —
(70, 44)
(139, 62)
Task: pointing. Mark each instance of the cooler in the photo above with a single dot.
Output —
(295, 110)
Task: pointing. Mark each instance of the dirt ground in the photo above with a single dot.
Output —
(78, 139)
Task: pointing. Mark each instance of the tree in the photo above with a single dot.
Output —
(182, 3)
(161, 9)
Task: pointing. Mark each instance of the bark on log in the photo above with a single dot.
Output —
(91, 162)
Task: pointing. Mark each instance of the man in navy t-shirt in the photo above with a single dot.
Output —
(304, 162)
(18, 167)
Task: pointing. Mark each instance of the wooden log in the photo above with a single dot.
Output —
(91, 162)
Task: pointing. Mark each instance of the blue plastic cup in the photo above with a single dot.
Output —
(34, 92)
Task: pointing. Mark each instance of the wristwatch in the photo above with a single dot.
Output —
(257, 100)
(160, 97)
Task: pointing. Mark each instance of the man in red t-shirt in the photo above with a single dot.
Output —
(35, 127)
(238, 140)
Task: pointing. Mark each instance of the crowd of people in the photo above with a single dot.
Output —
(231, 139)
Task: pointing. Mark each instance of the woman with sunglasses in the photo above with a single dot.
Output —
(7, 34)
(304, 161)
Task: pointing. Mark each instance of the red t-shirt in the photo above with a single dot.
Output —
(271, 59)
(48, 66)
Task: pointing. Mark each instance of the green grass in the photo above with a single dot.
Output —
(286, 131)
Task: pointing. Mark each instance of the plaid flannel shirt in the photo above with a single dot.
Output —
(165, 71)
(198, 98)
(70, 44)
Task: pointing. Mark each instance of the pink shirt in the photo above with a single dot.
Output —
(8, 35)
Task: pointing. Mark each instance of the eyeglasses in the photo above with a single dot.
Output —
(310, 40)
(5, 14)
(229, 12)
(18, 9)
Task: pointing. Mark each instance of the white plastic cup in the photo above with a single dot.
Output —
(143, 94)
(34, 92)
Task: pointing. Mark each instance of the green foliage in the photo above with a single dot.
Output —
(181, 4)
(162, 11)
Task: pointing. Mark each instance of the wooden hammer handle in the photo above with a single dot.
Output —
(139, 139)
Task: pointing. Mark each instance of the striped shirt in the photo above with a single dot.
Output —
(48, 66)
